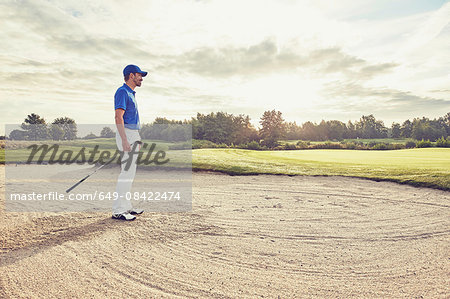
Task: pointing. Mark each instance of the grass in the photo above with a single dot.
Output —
(19, 153)
(427, 167)
(103, 143)
(384, 140)
(379, 140)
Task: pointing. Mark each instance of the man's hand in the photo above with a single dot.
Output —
(126, 146)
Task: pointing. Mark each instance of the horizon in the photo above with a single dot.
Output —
(311, 60)
(85, 129)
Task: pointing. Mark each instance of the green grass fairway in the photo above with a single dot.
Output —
(427, 167)
(19, 153)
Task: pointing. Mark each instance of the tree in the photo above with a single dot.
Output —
(336, 130)
(273, 127)
(222, 127)
(56, 132)
(396, 130)
(216, 127)
(18, 135)
(293, 131)
(107, 132)
(309, 131)
(369, 127)
(35, 127)
(406, 129)
(90, 136)
(176, 132)
(242, 130)
(168, 130)
(447, 118)
(445, 121)
(351, 130)
(69, 127)
(322, 131)
(427, 129)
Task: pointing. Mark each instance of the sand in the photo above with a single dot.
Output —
(246, 237)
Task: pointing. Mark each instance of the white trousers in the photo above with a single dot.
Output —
(127, 172)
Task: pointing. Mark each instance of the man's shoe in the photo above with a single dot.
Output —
(136, 211)
(124, 216)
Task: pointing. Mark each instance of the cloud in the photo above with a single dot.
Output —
(334, 60)
(267, 57)
(381, 99)
(40, 17)
(8, 61)
(373, 70)
(224, 62)
(59, 35)
(434, 25)
(441, 90)
(232, 56)
(112, 48)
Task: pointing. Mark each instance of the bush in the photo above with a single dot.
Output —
(181, 146)
(284, 147)
(355, 145)
(203, 144)
(221, 145)
(382, 146)
(327, 145)
(372, 144)
(278, 148)
(441, 142)
(271, 144)
(424, 143)
(303, 144)
(289, 146)
(410, 144)
(90, 136)
(397, 146)
(350, 145)
(253, 145)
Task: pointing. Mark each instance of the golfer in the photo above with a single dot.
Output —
(127, 139)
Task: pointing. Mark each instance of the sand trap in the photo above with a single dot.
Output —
(247, 236)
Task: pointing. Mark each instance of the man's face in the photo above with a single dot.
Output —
(137, 79)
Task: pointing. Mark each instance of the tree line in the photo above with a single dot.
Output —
(230, 129)
(225, 128)
(35, 127)
(368, 127)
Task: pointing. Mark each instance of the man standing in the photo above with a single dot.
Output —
(128, 140)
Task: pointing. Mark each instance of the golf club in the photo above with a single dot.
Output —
(83, 179)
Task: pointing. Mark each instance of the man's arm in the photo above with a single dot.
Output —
(121, 129)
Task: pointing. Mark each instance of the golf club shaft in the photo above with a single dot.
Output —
(71, 188)
(83, 179)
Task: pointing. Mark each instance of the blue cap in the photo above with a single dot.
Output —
(131, 68)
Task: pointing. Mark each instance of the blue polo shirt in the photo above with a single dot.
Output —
(124, 99)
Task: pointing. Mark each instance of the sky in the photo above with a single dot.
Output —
(309, 59)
